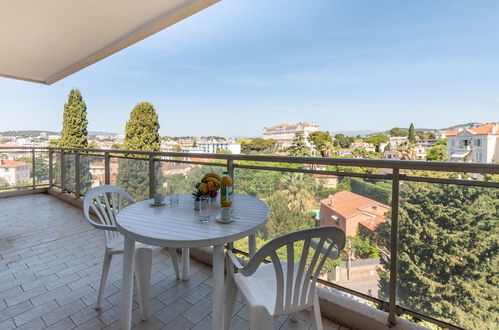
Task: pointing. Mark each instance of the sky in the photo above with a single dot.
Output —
(241, 65)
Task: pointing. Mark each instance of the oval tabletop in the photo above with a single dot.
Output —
(179, 225)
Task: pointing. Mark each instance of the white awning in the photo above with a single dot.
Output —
(46, 40)
(459, 154)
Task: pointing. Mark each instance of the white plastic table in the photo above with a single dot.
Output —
(179, 226)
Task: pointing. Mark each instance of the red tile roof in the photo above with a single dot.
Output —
(349, 205)
(12, 163)
(492, 128)
(450, 132)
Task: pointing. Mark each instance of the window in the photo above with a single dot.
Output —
(336, 219)
(478, 156)
(452, 142)
(478, 142)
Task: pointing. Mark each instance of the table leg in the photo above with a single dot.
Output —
(218, 287)
(127, 286)
(252, 245)
(185, 264)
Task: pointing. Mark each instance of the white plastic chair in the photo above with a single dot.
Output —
(106, 202)
(283, 286)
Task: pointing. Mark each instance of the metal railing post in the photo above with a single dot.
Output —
(51, 172)
(152, 177)
(77, 176)
(63, 171)
(392, 299)
(107, 168)
(33, 167)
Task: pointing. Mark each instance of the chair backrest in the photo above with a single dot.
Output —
(296, 282)
(106, 202)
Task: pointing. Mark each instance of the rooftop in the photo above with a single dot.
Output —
(11, 163)
(50, 264)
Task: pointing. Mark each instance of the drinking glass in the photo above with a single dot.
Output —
(205, 209)
(174, 194)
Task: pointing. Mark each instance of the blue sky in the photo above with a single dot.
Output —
(241, 65)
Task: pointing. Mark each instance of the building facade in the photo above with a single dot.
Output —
(285, 133)
(352, 213)
(477, 144)
(14, 172)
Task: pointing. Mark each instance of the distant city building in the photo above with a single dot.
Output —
(98, 170)
(362, 145)
(477, 144)
(352, 213)
(14, 172)
(285, 133)
(212, 146)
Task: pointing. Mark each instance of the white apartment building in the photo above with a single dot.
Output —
(285, 133)
(477, 144)
(14, 172)
(211, 146)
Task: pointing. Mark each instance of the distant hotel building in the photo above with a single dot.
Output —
(284, 133)
(477, 144)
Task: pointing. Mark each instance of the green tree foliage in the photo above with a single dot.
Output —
(377, 139)
(3, 183)
(141, 133)
(299, 189)
(257, 183)
(365, 247)
(74, 134)
(448, 253)
(343, 141)
(379, 191)
(412, 135)
(74, 126)
(426, 135)
(322, 142)
(258, 145)
(442, 142)
(299, 147)
(396, 131)
(437, 153)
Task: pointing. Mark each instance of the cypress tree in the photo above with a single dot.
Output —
(142, 134)
(74, 134)
(412, 135)
(74, 126)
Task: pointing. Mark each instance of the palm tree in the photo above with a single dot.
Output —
(299, 189)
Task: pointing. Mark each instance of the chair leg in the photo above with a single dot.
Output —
(143, 263)
(317, 313)
(294, 317)
(260, 319)
(230, 299)
(105, 270)
(174, 257)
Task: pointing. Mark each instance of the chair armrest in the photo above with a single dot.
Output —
(233, 261)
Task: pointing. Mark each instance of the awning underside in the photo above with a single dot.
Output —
(45, 41)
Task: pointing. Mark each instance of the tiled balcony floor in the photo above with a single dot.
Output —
(50, 264)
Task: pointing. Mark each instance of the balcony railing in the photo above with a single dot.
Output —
(67, 169)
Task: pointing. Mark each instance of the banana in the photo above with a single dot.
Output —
(212, 179)
(213, 175)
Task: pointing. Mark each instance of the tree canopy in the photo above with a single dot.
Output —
(412, 135)
(448, 253)
(141, 133)
(322, 142)
(396, 131)
(437, 153)
(74, 125)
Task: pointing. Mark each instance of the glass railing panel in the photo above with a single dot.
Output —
(448, 253)
(42, 168)
(132, 175)
(91, 172)
(70, 171)
(56, 169)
